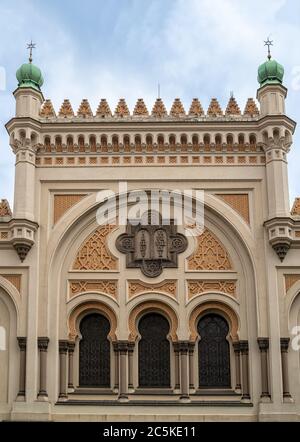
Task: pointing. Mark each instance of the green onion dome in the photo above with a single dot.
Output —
(29, 75)
(270, 72)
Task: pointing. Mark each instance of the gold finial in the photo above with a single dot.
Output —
(30, 46)
(269, 43)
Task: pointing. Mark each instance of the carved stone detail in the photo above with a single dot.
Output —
(109, 287)
(15, 280)
(239, 202)
(122, 109)
(232, 107)
(177, 109)
(66, 109)
(159, 109)
(296, 207)
(22, 249)
(290, 280)
(151, 247)
(210, 254)
(62, 203)
(4, 208)
(94, 253)
(217, 307)
(103, 109)
(47, 110)
(197, 287)
(140, 108)
(85, 109)
(136, 288)
(92, 307)
(281, 248)
(196, 109)
(214, 108)
(152, 306)
(251, 108)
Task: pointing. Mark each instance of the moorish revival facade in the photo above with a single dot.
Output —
(143, 322)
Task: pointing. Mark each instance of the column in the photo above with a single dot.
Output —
(22, 379)
(263, 344)
(284, 346)
(43, 347)
(130, 364)
(184, 369)
(116, 353)
(191, 364)
(71, 348)
(123, 350)
(176, 352)
(236, 348)
(63, 350)
(244, 348)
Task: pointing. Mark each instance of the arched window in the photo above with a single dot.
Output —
(94, 351)
(154, 351)
(213, 352)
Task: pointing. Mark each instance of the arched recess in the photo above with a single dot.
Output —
(9, 352)
(152, 306)
(218, 308)
(82, 310)
(154, 361)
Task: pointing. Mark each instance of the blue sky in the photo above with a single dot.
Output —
(122, 48)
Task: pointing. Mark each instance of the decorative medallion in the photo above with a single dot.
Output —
(151, 246)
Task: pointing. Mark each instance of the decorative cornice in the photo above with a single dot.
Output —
(63, 346)
(284, 344)
(22, 341)
(244, 347)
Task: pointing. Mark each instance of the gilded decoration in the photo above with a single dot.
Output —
(251, 109)
(109, 287)
(47, 110)
(210, 254)
(290, 280)
(140, 108)
(4, 208)
(232, 107)
(94, 254)
(103, 109)
(66, 109)
(152, 306)
(89, 307)
(159, 109)
(62, 203)
(84, 109)
(167, 287)
(177, 109)
(122, 109)
(197, 287)
(214, 108)
(296, 207)
(217, 307)
(15, 280)
(239, 202)
(196, 109)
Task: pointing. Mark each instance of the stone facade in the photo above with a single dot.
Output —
(57, 265)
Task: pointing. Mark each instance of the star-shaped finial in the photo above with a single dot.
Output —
(30, 46)
(269, 43)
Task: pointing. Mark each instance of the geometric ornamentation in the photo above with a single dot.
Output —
(239, 202)
(210, 254)
(197, 287)
(109, 287)
(94, 253)
(290, 280)
(167, 287)
(62, 203)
